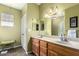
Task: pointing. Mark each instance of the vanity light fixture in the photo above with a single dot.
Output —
(54, 13)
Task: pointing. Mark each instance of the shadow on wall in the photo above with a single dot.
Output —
(29, 46)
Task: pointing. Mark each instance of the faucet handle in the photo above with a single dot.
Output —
(65, 39)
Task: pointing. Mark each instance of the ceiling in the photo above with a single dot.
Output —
(65, 5)
(19, 6)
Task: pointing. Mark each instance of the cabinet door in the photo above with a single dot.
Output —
(52, 53)
(43, 51)
(43, 48)
(63, 51)
(35, 46)
(43, 43)
(35, 50)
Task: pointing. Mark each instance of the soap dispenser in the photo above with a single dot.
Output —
(65, 38)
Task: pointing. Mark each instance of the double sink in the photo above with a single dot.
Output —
(57, 40)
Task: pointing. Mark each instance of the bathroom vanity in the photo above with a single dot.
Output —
(53, 47)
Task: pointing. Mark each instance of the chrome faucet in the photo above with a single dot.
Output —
(63, 38)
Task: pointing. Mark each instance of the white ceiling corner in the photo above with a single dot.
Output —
(18, 6)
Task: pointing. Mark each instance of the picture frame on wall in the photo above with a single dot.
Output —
(74, 22)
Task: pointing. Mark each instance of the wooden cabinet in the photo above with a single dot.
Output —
(43, 48)
(35, 46)
(61, 50)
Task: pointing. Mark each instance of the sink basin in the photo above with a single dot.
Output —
(39, 36)
(69, 42)
(63, 42)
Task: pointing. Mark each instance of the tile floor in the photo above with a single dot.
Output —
(16, 52)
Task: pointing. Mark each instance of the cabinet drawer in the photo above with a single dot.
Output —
(34, 43)
(43, 51)
(35, 40)
(52, 53)
(62, 50)
(52, 46)
(43, 43)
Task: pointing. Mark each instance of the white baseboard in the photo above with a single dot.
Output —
(28, 52)
(17, 46)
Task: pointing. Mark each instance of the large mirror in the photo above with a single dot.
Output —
(58, 26)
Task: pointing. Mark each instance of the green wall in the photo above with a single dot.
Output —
(12, 33)
(70, 12)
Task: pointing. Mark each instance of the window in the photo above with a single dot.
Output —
(7, 20)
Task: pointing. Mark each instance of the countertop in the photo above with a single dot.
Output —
(56, 40)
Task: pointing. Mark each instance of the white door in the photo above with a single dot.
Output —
(23, 31)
